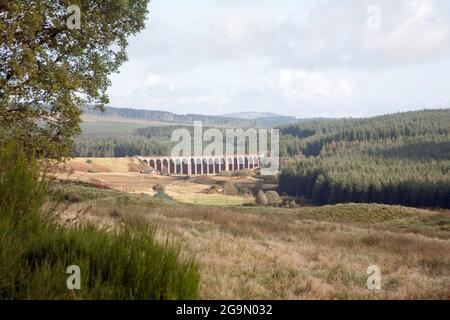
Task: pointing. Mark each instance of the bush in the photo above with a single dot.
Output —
(163, 196)
(261, 199)
(68, 196)
(273, 198)
(229, 189)
(21, 189)
(289, 202)
(159, 188)
(249, 204)
(242, 173)
(35, 251)
(73, 197)
(242, 191)
(238, 173)
(269, 179)
(212, 190)
(115, 214)
(258, 186)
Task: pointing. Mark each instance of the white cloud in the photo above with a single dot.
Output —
(235, 26)
(421, 33)
(155, 81)
(315, 87)
(302, 57)
(152, 79)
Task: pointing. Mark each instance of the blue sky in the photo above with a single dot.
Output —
(302, 58)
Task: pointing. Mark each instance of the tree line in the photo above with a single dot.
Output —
(308, 137)
(122, 146)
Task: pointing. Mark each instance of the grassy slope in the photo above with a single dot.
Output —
(94, 125)
(117, 165)
(307, 253)
(109, 128)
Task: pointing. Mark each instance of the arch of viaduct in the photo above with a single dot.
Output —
(202, 165)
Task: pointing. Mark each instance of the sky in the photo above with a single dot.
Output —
(303, 58)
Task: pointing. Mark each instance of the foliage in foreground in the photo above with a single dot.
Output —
(35, 251)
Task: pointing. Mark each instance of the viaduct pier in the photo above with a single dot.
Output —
(201, 165)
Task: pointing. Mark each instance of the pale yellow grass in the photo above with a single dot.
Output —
(283, 254)
(277, 256)
(119, 165)
(194, 193)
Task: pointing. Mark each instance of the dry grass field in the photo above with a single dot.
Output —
(274, 253)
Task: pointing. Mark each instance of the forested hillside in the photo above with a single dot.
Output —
(120, 146)
(170, 117)
(154, 140)
(143, 141)
(308, 137)
(397, 159)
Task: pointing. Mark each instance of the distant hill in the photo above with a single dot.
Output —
(250, 115)
(121, 114)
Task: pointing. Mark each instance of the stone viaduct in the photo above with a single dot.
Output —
(201, 165)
